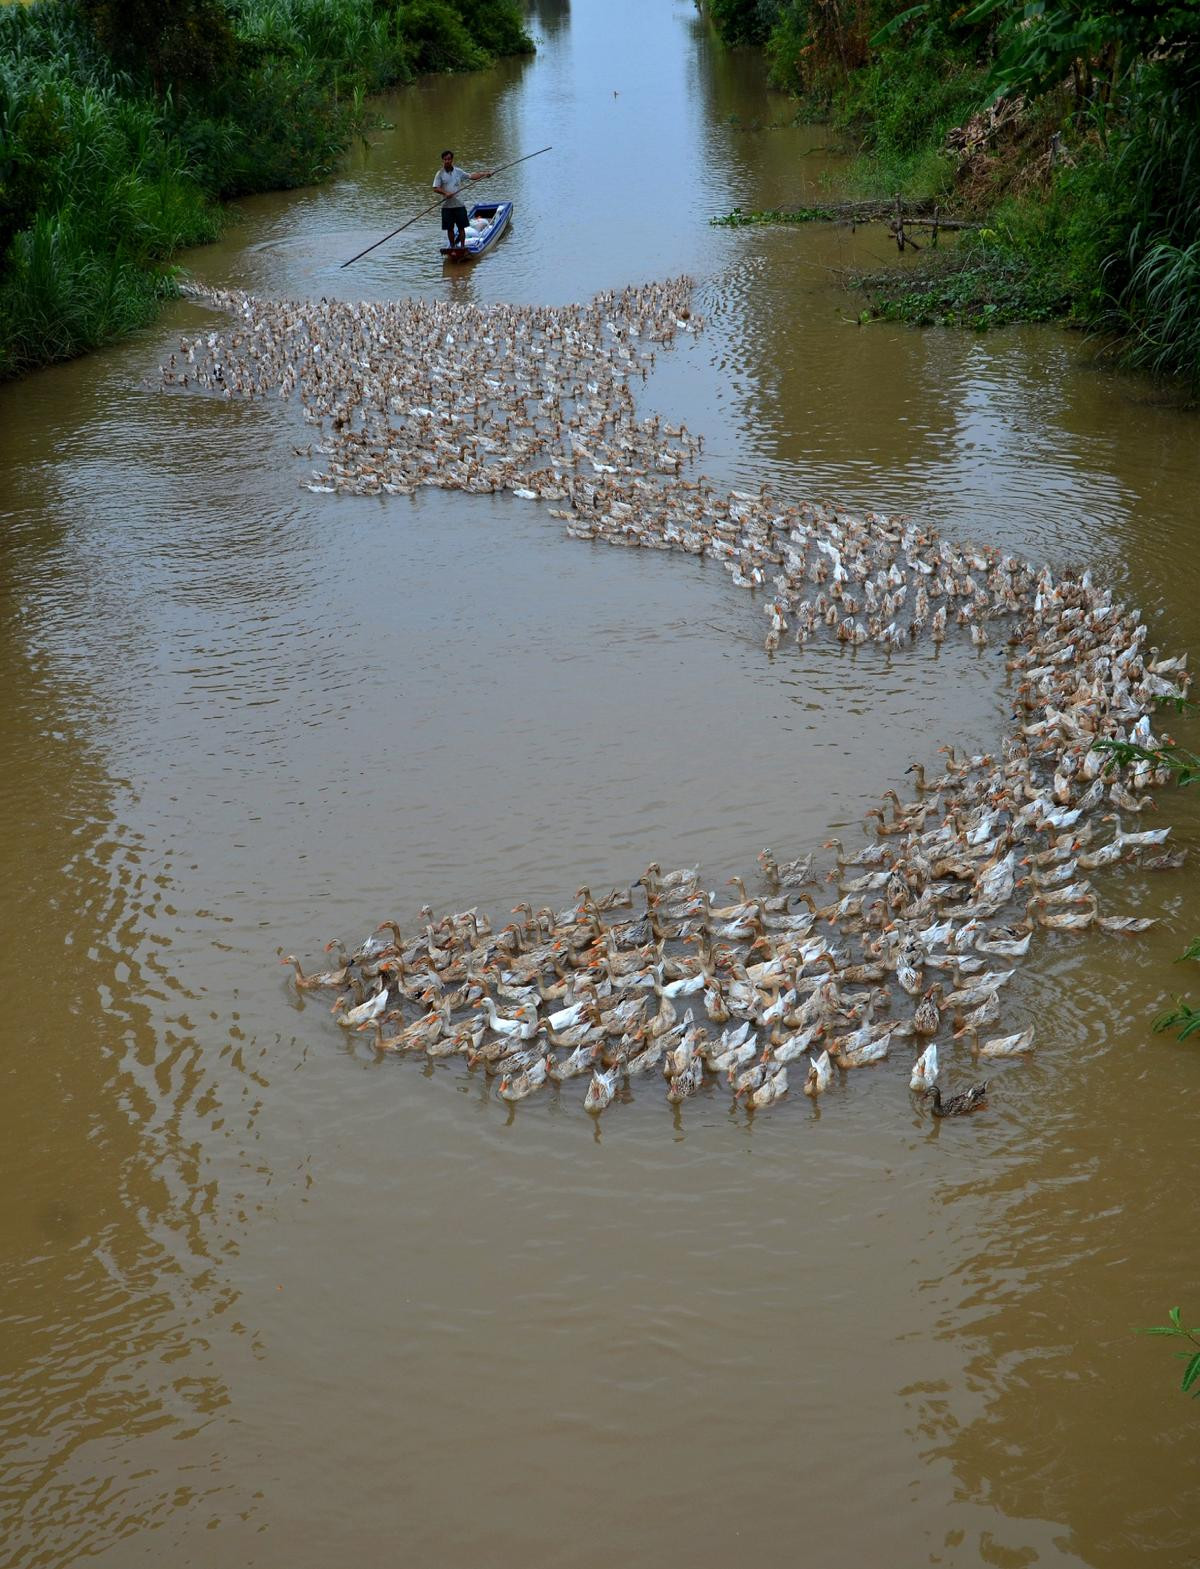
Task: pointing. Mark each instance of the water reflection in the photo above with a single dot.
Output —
(547, 17)
(103, 1213)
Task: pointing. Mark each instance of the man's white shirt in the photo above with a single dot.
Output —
(450, 182)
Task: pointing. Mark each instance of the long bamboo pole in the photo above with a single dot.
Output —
(438, 203)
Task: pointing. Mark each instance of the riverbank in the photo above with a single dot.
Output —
(1074, 146)
(123, 132)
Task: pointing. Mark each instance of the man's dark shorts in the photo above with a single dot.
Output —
(454, 218)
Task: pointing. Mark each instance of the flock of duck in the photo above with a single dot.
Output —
(658, 979)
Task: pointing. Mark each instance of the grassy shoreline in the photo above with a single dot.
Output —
(125, 124)
(1071, 133)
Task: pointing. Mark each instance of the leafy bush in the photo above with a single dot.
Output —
(495, 26)
(438, 38)
(60, 295)
(983, 286)
(815, 49)
(168, 42)
(1152, 270)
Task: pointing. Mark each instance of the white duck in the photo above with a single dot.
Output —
(1126, 924)
(864, 1054)
(733, 1057)
(794, 1046)
(981, 985)
(1006, 1045)
(648, 1058)
(1005, 946)
(523, 1026)
(772, 1088)
(820, 1076)
(365, 1013)
(997, 883)
(601, 1090)
(565, 1018)
(678, 1059)
(925, 1069)
(579, 1061)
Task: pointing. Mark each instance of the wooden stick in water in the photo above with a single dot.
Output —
(438, 203)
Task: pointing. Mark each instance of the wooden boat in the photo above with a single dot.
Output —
(486, 222)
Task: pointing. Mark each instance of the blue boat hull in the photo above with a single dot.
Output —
(481, 241)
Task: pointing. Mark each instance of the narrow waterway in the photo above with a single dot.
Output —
(270, 1301)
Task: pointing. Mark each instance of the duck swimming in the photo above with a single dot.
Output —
(532, 1078)
(925, 1069)
(1006, 1045)
(820, 1076)
(961, 1105)
(326, 980)
(600, 1091)
(555, 418)
(686, 1083)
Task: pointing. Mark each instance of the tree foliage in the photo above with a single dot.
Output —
(176, 43)
(744, 21)
(1095, 42)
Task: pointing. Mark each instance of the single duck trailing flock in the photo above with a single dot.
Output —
(658, 980)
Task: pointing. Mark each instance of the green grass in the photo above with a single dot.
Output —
(901, 107)
(1161, 314)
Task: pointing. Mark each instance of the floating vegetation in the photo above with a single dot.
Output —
(976, 289)
(923, 213)
(737, 219)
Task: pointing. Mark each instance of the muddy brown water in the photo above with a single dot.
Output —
(268, 1301)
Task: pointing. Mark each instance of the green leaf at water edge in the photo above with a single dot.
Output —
(1181, 1016)
(1173, 1315)
(1191, 1373)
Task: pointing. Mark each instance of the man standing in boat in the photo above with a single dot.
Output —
(450, 181)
